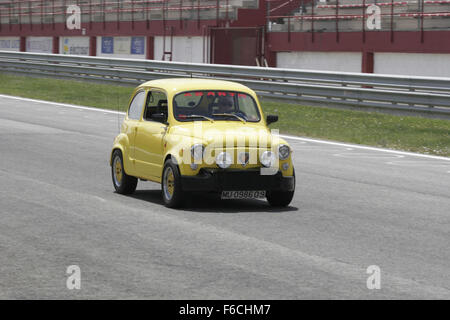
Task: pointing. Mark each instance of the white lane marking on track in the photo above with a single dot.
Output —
(367, 155)
(99, 198)
(417, 163)
(58, 104)
(283, 136)
(316, 148)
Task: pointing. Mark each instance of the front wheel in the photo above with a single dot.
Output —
(123, 183)
(171, 185)
(280, 198)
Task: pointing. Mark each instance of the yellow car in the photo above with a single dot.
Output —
(201, 135)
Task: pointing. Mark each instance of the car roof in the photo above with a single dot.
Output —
(188, 84)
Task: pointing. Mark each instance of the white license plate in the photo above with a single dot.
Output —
(243, 194)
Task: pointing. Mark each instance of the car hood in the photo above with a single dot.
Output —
(227, 133)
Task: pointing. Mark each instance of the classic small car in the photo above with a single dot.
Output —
(201, 135)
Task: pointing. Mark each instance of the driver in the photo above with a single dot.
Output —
(225, 104)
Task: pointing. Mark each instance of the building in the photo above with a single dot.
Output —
(401, 37)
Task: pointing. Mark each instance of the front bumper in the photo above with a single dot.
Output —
(236, 180)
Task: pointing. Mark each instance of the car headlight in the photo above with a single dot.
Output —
(197, 151)
(267, 159)
(284, 151)
(224, 160)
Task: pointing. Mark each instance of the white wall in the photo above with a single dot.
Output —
(122, 47)
(414, 64)
(74, 45)
(39, 44)
(185, 49)
(10, 43)
(325, 61)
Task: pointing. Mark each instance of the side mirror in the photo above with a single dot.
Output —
(271, 119)
(159, 117)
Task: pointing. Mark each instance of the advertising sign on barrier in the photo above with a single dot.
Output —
(39, 44)
(137, 45)
(122, 45)
(75, 45)
(10, 43)
(108, 45)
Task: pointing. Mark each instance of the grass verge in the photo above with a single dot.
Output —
(429, 136)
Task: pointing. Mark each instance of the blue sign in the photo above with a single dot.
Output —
(107, 45)
(137, 45)
(15, 44)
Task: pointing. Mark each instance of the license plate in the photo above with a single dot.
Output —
(243, 194)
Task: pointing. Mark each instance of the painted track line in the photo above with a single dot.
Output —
(59, 104)
(341, 144)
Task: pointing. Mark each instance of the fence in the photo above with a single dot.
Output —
(401, 93)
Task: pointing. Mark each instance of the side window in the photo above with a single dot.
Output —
(134, 112)
(156, 105)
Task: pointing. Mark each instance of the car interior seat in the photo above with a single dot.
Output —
(162, 106)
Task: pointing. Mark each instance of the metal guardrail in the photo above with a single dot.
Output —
(401, 93)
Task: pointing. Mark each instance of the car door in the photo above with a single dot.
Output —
(149, 149)
(130, 126)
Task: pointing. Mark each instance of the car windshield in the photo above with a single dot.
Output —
(215, 105)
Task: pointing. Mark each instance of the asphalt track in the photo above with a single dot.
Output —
(354, 207)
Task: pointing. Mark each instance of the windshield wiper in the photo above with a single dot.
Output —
(229, 114)
(199, 116)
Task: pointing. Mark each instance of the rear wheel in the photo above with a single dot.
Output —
(123, 183)
(280, 198)
(171, 185)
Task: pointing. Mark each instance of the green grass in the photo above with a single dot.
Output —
(66, 91)
(417, 134)
(430, 136)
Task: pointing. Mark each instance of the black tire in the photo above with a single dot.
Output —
(280, 198)
(123, 183)
(171, 188)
